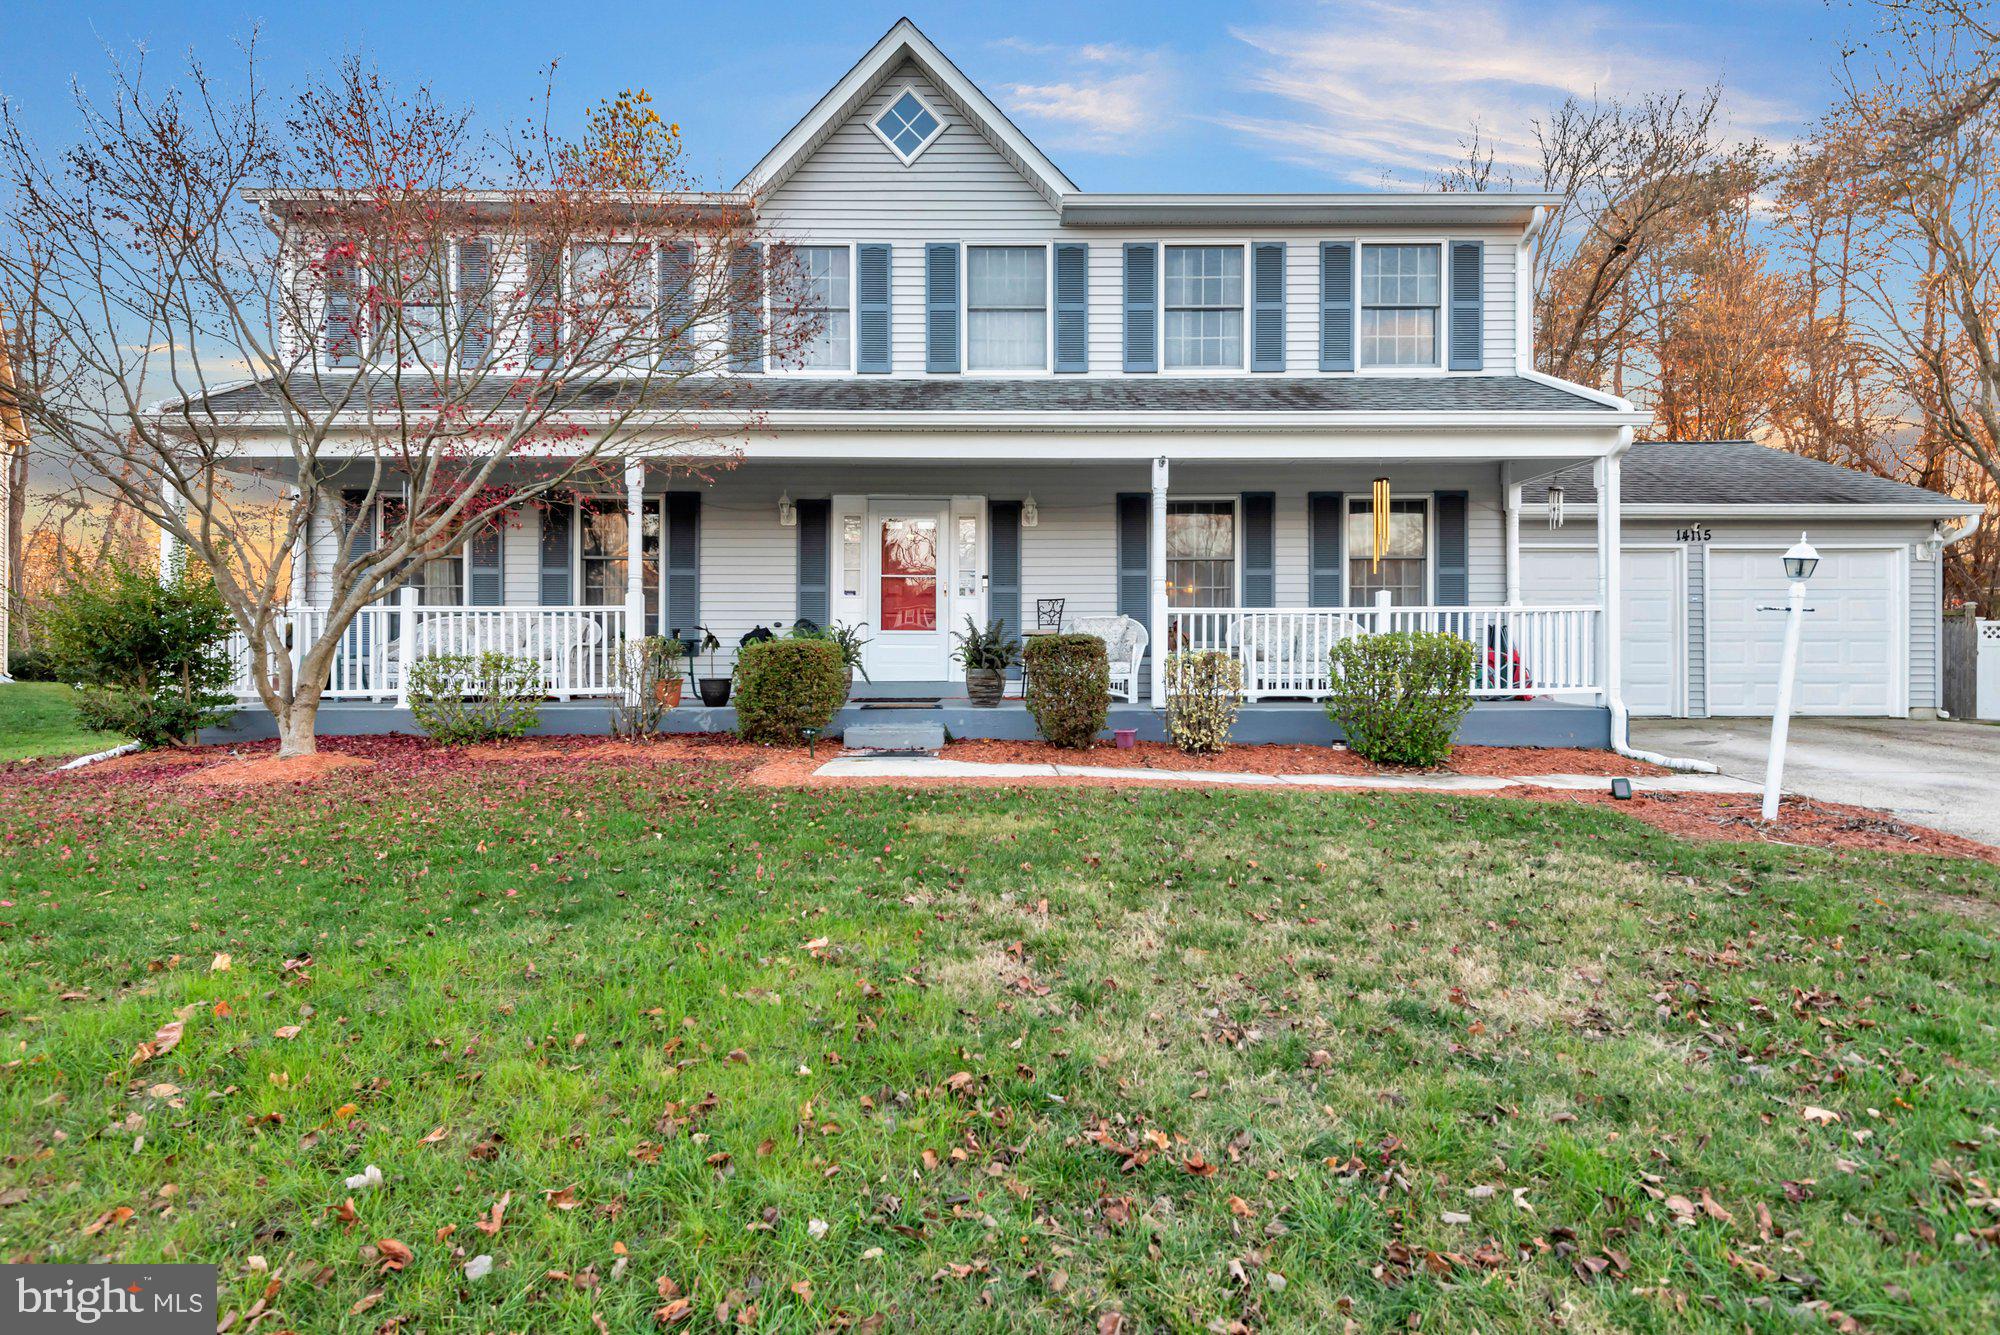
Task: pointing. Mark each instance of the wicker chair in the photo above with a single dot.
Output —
(1124, 646)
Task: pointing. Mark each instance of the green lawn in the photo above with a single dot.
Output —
(36, 720)
(964, 1060)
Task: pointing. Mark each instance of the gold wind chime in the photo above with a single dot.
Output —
(1381, 498)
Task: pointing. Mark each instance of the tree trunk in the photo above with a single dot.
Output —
(298, 725)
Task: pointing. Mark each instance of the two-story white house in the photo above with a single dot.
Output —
(1039, 404)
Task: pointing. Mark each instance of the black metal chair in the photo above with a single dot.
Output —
(1049, 613)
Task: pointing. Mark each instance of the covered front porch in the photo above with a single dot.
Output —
(1266, 553)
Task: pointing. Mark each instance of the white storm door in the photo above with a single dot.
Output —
(909, 590)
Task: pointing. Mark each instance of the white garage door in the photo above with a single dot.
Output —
(1851, 650)
(1651, 602)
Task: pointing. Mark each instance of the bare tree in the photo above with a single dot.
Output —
(460, 324)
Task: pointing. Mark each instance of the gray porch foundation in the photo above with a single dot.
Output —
(1491, 723)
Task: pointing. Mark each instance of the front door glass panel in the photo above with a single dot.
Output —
(909, 575)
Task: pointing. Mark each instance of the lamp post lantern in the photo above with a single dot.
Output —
(1799, 564)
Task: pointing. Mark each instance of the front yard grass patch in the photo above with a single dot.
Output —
(699, 1055)
(38, 718)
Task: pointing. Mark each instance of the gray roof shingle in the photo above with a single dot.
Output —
(1733, 472)
(1247, 393)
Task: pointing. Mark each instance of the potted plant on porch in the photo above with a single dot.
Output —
(714, 690)
(986, 654)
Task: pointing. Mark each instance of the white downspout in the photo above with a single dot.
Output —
(1156, 582)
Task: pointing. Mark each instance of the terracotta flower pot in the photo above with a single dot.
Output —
(983, 686)
(667, 691)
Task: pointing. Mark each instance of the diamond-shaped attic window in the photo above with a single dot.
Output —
(908, 125)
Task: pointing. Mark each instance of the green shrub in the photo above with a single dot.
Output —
(1069, 688)
(1204, 691)
(1400, 697)
(640, 669)
(148, 653)
(786, 686)
(32, 665)
(459, 699)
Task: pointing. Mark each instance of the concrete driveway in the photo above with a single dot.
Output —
(1945, 775)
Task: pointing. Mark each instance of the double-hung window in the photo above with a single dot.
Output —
(826, 298)
(1404, 570)
(1401, 290)
(1201, 554)
(1007, 308)
(601, 543)
(408, 307)
(613, 285)
(1204, 306)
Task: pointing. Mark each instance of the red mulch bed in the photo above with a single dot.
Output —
(1499, 761)
(256, 771)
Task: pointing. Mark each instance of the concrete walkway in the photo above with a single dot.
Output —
(934, 767)
(1930, 771)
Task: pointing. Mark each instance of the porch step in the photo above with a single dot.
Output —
(910, 736)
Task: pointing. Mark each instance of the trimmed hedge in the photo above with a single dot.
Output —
(785, 686)
(1400, 697)
(1069, 688)
(462, 699)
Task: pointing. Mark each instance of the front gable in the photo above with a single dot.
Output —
(842, 144)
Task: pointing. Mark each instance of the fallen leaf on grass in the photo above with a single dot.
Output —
(674, 1312)
(286, 1031)
(163, 1041)
(372, 1297)
(111, 1218)
(434, 1137)
(1823, 1116)
(393, 1254)
(491, 1223)
(479, 1267)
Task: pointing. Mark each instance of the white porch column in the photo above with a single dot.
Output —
(635, 585)
(168, 542)
(1609, 545)
(302, 551)
(1156, 582)
(406, 637)
(1511, 490)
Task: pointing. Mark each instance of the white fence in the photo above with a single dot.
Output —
(1519, 651)
(575, 647)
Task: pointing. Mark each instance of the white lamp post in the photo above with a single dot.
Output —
(1799, 563)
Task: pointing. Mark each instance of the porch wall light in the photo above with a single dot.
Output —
(1031, 514)
(788, 513)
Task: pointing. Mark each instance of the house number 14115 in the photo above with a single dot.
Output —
(1694, 533)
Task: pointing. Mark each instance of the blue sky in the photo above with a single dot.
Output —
(1164, 94)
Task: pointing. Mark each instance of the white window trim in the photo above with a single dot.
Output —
(1235, 504)
(922, 101)
(1429, 498)
(1160, 287)
(965, 249)
(772, 366)
(1442, 364)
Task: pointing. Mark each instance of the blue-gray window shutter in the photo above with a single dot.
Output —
(1336, 306)
(677, 304)
(1135, 514)
(1267, 306)
(1072, 308)
(871, 293)
(1453, 572)
(484, 586)
(340, 340)
(475, 310)
(1003, 569)
(1326, 518)
(746, 309)
(813, 551)
(941, 306)
(1468, 305)
(1142, 306)
(1260, 549)
(558, 517)
(681, 570)
(544, 304)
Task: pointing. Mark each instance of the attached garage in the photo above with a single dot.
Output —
(1701, 564)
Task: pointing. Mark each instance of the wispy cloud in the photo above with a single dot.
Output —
(1101, 97)
(1379, 88)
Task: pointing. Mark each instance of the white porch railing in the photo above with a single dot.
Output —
(575, 647)
(1521, 651)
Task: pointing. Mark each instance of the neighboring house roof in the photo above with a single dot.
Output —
(1740, 474)
(1500, 394)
